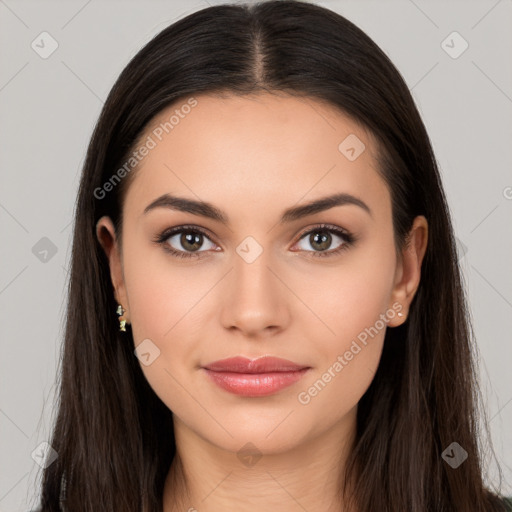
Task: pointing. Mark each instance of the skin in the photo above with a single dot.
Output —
(253, 157)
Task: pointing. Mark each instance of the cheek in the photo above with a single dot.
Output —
(348, 298)
(162, 303)
(162, 292)
(167, 304)
(347, 336)
(346, 362)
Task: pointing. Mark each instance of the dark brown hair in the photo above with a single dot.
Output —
(113, 435)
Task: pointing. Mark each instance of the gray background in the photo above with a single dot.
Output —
(48, 108)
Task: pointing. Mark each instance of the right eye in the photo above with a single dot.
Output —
(190, 238)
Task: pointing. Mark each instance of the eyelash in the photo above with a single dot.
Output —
(348, 238)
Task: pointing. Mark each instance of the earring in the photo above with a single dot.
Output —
(400, 313)
(122, 323)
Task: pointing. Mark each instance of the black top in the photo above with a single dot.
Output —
(508, 504)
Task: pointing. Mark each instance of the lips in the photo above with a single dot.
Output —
(254, 378)
(265, 364)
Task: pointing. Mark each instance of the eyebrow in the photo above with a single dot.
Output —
(210, 211)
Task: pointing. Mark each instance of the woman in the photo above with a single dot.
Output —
(265, 307)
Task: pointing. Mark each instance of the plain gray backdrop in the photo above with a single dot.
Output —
(59, 60)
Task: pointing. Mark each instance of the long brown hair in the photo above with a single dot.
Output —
(113, 435)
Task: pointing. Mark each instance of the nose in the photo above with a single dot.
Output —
(256, 300)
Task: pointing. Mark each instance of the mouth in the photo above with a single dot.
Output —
(260, 377)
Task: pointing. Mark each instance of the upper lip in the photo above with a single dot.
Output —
(264, 364)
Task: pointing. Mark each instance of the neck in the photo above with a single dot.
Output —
(207, 478)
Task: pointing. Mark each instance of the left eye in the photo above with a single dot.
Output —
(321, 238)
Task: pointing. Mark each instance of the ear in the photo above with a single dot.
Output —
(408, 272)
(106, 235)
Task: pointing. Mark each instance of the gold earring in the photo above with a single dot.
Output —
(122, 323)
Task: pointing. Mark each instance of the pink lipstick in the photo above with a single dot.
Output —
(259, 377)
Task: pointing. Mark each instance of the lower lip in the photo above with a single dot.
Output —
(255, 384)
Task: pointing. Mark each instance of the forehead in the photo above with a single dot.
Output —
(260, 149)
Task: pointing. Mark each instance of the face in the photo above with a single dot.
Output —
(319, 290)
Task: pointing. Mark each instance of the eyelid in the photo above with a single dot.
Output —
(168, 233)
(347, 237)
(324, 227)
